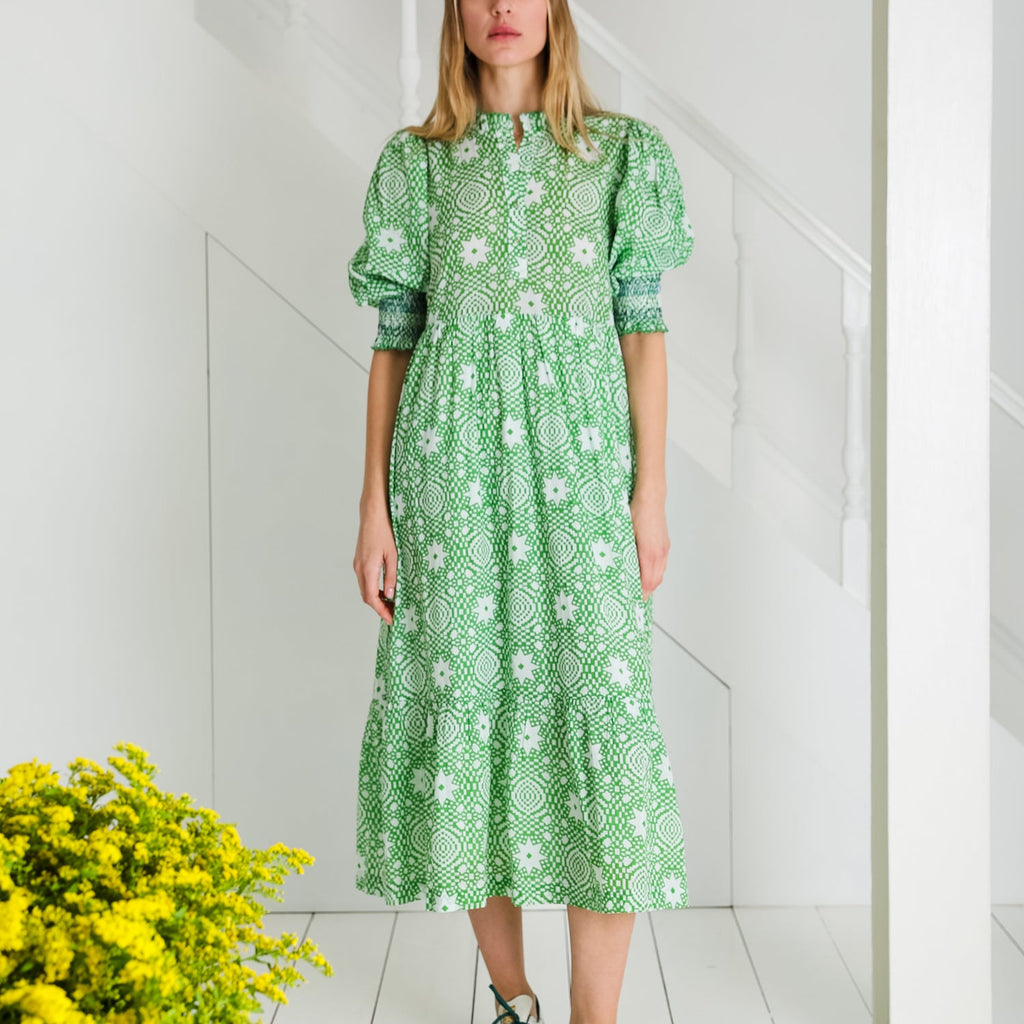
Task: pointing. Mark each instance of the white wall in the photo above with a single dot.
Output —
(104, 585)
(1008, 326)
(151, 219)
(789, 82)
(1007, 196)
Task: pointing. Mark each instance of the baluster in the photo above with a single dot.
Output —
(295, 55)
(743, 428)
(856, 550)
(409, 64)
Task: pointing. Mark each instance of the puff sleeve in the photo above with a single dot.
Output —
(650, 232)
(391, 268)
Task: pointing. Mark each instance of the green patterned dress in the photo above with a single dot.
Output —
(511, 745)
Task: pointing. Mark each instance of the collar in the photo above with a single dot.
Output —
(500, 122)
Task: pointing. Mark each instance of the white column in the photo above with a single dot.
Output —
(855, 558)
(409, 64)
(743, 429)
(932, 97)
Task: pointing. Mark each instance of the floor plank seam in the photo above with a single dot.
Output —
(309, 925)
(753, 966)
(661, 968)
(384, 966)
(476, 981)
(568, 951)
(842, 960)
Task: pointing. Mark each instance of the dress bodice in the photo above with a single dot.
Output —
(484, 228)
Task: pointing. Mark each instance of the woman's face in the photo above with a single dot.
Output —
(505, 32)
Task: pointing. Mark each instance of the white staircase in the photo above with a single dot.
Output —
(724, 436)
(768, 587)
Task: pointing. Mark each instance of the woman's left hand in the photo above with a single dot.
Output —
(650, 528)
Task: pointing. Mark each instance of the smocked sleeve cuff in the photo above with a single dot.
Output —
(636, 304)
(401, 320)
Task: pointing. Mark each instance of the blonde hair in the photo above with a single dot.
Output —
(566, 98)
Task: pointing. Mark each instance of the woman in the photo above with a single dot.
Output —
(514, 494)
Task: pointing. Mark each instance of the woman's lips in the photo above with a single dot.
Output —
(503, 34)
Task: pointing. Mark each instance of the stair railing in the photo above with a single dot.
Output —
(752, 184)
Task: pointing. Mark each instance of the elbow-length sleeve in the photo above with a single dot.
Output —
(651, 230)
(391, 268)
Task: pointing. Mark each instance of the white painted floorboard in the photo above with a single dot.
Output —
(802, 975)
(744, 965)
(356, 946)
(643, 989)
(276, 924)
(430, 970)
(706, 968)
(850, 928)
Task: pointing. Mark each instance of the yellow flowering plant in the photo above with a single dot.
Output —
(122, 904)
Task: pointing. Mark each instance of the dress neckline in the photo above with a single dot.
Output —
(501, 120)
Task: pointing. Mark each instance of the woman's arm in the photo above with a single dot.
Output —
(643, 355)
(376, 542)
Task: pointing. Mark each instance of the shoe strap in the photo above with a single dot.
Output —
(511, 1016)
(521, 1004)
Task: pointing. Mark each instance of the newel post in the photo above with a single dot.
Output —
(409, 64)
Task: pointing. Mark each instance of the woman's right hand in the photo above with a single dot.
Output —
(376, 544)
